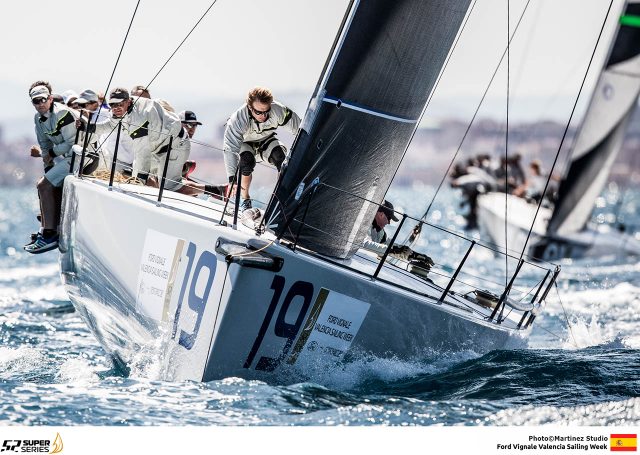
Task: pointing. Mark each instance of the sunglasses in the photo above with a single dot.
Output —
(257, 112)
(116, 105)
(37, 101)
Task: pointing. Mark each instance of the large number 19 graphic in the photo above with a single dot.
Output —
(197, 303)
(282, 328)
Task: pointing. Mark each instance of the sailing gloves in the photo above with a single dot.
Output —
(421, 260)
(401, 251)
(407, 254)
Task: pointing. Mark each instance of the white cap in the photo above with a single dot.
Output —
(68, 94)
(39, 91)
(87, 96)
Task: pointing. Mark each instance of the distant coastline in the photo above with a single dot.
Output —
(429, 154)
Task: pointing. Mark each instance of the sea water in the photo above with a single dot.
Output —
(582, 366)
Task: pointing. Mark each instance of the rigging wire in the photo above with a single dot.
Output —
(552, 333)
(506, 159)
(181, 43)
(418, 227)
(573, 338)
(161, 68)
(566, 129)
(113, 72)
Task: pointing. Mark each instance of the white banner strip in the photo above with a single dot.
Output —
(82, 440)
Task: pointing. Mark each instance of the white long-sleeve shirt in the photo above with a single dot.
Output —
(242, 127)
(149, 126)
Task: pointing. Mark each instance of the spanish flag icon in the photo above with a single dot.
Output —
(623, 443)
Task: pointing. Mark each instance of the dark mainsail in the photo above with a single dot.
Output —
(602, 132)
(364, 111)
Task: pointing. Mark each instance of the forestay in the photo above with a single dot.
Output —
(383, 67)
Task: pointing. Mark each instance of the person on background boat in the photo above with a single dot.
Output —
(146, 122)
(250, 134)
(516, 169)
(533, 186)
(377, 240)
(55, 126)
(473, 180)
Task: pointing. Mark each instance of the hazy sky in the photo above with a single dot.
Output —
(283, 45)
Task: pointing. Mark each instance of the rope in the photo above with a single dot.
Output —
(248, 253)
(464, 136)
(564, 135)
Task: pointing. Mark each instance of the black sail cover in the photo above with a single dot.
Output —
(603, 128)
(366, 107)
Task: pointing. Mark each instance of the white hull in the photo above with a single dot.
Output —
(584, 244)
(153, 282)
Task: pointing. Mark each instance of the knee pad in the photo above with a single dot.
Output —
(277, 156)
(247, 163)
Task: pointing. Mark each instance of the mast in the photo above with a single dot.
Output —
(359, 123)
(603, 128)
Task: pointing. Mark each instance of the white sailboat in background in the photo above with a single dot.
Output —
(564, 231)
(174, 279)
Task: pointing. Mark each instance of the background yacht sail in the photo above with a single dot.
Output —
(362, 116)
(602, 132)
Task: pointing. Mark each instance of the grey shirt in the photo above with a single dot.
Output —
(242, 127)
(56, 129)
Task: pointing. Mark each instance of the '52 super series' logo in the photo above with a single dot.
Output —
(32, 445)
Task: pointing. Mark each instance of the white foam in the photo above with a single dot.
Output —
(20, 361)
(77, 371)
(622, 413)
(350, 375)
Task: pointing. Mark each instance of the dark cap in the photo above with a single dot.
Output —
(117, 95)
(189, 117)
(387, 209)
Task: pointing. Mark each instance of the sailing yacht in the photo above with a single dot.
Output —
(564, 231)
(178, 280)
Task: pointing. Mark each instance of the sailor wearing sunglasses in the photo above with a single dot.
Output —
(250, 134)
(56, 131)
